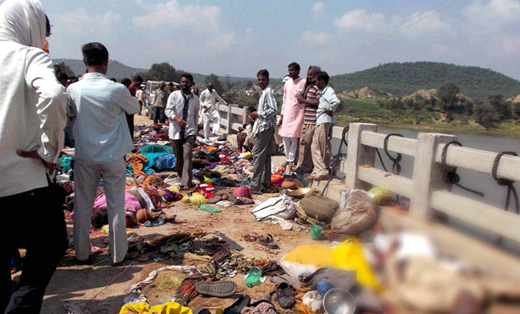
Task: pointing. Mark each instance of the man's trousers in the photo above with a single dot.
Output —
(87, 177)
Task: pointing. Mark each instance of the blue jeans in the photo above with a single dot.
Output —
(32, 220)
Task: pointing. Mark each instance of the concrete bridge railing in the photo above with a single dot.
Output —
(427, 190)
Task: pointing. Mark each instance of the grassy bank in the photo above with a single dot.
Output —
(368, 111)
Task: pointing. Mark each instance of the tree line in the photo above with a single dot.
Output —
(455, 106)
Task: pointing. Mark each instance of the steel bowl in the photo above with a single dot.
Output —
(339, 301)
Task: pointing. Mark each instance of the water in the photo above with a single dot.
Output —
(494, 194)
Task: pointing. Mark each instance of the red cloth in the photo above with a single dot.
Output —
(243, 191)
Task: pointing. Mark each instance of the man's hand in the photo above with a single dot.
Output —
(34, 154)
(280, 121)
(253, 115)
(180, 122)
(329, 112)
(300, 98)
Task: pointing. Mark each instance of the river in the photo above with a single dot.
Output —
(493, 194)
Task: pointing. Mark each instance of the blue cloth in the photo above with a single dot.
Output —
(156, 148)
(164, 162)
(328, 101)
(100, 129)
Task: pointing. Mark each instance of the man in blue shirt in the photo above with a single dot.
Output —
(324, 120)
(102, 140)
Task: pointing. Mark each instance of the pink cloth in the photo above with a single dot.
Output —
(292, 110)
(131, 203)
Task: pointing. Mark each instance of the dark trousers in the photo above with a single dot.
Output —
(158, 115)
(262, 159)
(130, 121)
(183, 150)
(32, 220)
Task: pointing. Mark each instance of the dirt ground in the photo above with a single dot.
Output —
(101, 288)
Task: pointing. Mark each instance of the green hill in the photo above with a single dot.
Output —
(115, 69)
(402, 79)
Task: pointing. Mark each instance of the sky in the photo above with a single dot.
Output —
(239, 37)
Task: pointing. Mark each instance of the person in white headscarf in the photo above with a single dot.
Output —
(32, 119)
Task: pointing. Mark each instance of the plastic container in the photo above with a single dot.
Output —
(253, 277)
(315, 232)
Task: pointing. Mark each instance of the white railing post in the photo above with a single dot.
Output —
(358, 154)
(427, 174)
(229, 118)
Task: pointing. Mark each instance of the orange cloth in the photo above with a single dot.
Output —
(137, 162)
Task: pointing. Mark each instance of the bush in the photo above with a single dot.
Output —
(486, 115)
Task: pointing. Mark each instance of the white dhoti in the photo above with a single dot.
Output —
(207, 118)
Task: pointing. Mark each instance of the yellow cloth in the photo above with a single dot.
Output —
(174, 189)
(195, 199)
(165, 308)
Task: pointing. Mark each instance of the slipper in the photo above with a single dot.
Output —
(268, 241)
(220, 289)
(238, 305)
(284, 294)
(215, 199)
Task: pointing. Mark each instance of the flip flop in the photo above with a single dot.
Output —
(238, 305)
(219, 289)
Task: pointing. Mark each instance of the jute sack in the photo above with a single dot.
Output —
(354, 219)
(319, 207)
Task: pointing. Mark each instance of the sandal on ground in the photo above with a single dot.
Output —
(268, 241)
(284, 294)
(219, 289)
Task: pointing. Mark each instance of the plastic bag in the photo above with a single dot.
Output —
(349, 255)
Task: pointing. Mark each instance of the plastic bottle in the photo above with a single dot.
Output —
(209, 208)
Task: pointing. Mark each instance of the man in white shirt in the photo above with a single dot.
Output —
(209, 110)
(182, 109)
(102, 140)
(143, 98)
(32, 118)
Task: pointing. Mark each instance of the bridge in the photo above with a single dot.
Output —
(431, 201)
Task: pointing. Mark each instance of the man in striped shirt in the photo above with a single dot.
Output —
(310, 98)
(263, 131)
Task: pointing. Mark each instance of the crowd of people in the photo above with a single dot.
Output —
(96, 114)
